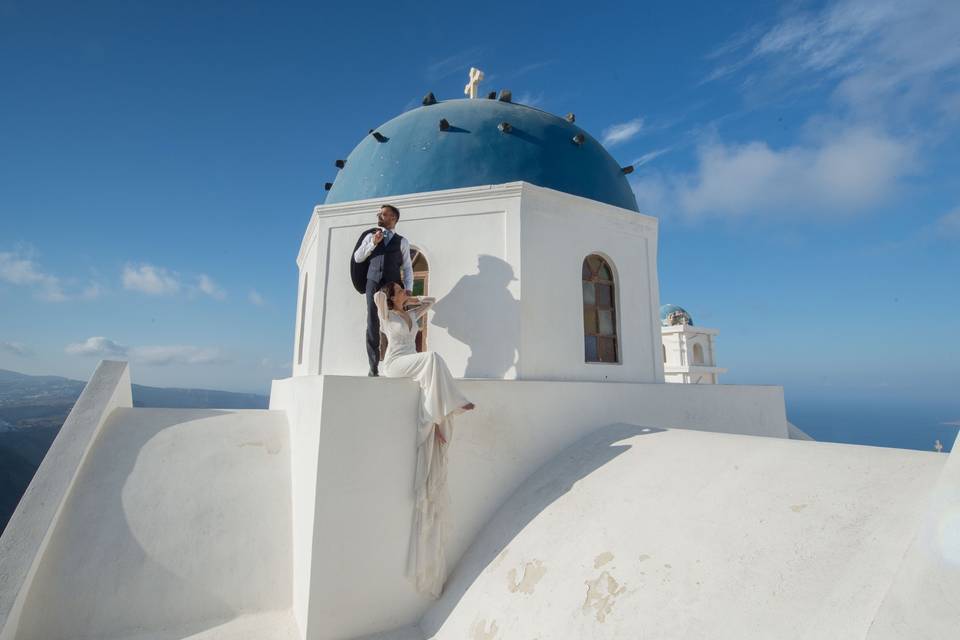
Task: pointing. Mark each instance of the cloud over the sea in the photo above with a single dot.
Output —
(21, 268)
(16, 349)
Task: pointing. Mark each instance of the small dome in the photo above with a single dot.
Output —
(671, 315)
(416, 156)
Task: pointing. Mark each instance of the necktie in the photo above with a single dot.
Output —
(387, 236)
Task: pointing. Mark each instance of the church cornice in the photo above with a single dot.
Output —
(447, 196)
(370, 205)
(643, 224)
(690, 330)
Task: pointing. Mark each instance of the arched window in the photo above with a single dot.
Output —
(697, 353)
(421, 277)
(599, 311)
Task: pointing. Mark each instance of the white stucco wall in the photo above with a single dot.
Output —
(177, 522)
(482, 244)
(26, 537)
(470, 238)
(302, 400)
(364, 474)
(558, 232)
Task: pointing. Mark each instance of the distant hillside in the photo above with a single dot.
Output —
(33, 408)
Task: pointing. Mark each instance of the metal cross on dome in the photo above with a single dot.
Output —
(475, 77)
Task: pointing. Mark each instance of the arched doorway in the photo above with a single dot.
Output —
(421, 280)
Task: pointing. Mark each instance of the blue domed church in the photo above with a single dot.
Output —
(521, 224)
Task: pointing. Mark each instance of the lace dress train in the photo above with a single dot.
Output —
(440, 401)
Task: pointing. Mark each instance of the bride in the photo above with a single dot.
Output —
(441, 400)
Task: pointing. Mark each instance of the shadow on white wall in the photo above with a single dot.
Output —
(96, 544)
(479, 312)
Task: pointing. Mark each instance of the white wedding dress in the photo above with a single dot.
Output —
(440, 401)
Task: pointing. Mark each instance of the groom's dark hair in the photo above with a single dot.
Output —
(396, 212)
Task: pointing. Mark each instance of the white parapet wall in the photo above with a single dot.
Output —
(353, 504)
(28, 532)
(302, 400)
(178, 522)
(924, 599)
(152, 523)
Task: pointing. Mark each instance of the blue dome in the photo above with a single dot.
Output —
(671, 314)
(417, 156)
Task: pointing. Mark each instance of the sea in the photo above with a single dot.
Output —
(880, 422)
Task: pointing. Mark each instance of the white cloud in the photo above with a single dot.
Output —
(530, 99)
(97, 346)
(269, 363)
(655, 196)
(16, 349)
(255, 298)
(533, 66)
(158, 281)
(891, 70)
(650, 156)
(458, 62)
(843, 174)
(622, 132)
(149, 279)
(92, 291)
(882, 55)
(177, 354)
(19, 268)
(158, 355)
(206, 284)
(948, 225)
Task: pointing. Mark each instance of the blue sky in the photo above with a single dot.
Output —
(159, 163)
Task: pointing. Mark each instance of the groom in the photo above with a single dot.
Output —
(388, 256)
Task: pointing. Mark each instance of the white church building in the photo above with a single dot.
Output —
(689, 352)
(589, 498)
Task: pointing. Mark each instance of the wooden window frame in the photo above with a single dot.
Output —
(595, 279)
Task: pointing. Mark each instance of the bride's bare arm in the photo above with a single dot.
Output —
(416, 307)
(380, 299)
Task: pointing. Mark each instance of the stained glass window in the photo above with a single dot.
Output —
(421, 278)
(599, 311)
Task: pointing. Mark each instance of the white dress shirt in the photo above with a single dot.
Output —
(367, 246)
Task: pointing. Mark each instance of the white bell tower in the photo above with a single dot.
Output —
(689, 353)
